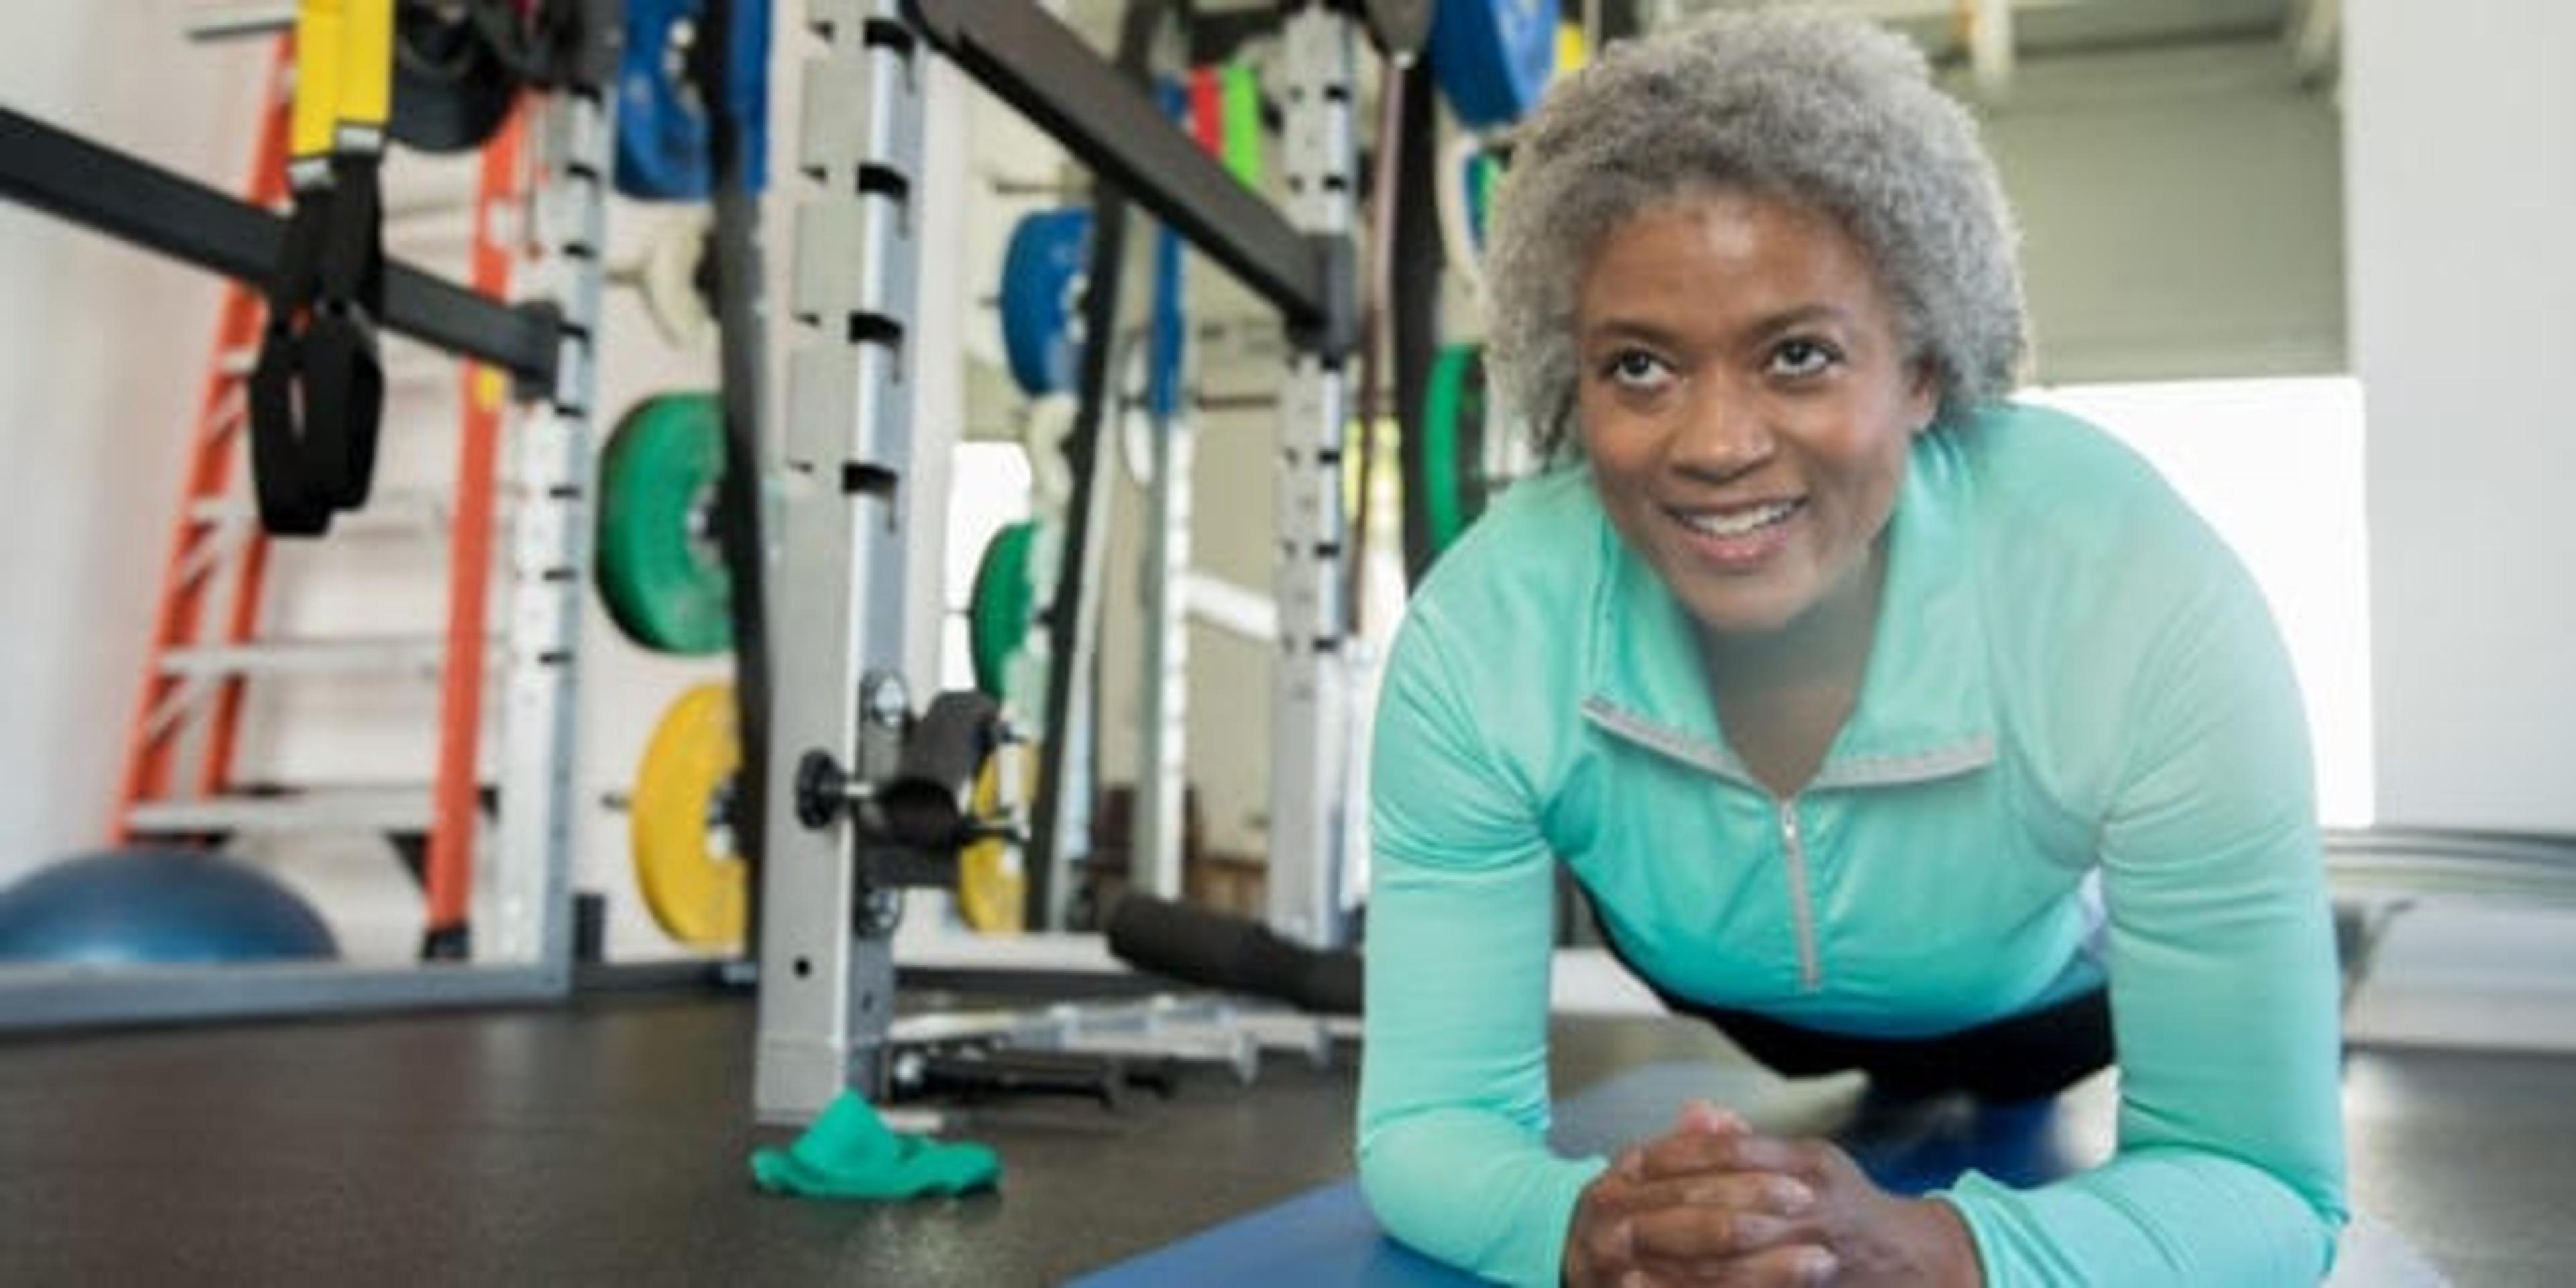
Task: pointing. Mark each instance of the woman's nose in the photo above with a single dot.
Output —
(1722, 434)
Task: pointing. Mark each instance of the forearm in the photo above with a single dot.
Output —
(1475, 1190)
(2154, 1216)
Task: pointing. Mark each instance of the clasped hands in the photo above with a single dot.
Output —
(1713, 1202)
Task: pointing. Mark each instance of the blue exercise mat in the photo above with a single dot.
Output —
(1327, 1236)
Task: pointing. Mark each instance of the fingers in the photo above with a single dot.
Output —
(1722, 1217)
(1694, 1133)
(1701, 1116)
(1791, 1266)
(1765, 1192)
(1711, 1202)
(1696, 1234)
(1695, 1219)
(1602, 1238)
(1688, 1152)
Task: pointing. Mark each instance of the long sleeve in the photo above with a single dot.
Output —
(2230, 1161)
(1453, 1087)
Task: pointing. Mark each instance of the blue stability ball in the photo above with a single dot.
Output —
(135, 907)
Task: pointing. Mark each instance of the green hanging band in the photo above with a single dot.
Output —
(1241, 114)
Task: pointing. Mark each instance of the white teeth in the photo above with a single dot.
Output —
(1735, 523)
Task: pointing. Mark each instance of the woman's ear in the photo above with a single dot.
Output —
(1923, 396)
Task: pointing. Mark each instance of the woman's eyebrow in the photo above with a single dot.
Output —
(1801, 316)
(1612, 329)
(1615, 328)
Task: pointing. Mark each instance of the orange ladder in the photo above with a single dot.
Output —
(179, 779)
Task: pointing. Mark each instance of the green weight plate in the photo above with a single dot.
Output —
(1482, 176)
(659, 566)
(1453, 427)
(997, 620)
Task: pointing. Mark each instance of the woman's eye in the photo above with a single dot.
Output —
(1801, 358)
(1637, 369)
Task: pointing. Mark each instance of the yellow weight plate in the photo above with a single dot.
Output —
(992, 886)
(1572, 50)
(684, 859)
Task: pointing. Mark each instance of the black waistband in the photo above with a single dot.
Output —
(2036, 1053)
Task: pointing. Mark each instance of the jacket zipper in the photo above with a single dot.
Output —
(1811, 974)
(1958, 758)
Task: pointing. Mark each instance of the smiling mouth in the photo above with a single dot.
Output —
(1739, 521)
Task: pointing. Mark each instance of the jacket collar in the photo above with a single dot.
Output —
(1926, 707)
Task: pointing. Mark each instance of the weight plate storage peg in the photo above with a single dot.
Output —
(658, 560)
(680, 828)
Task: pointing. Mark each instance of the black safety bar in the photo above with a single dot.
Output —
(60, 173)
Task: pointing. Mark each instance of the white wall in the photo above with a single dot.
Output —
(2460, 167)
(2181, 213)
(101, 350)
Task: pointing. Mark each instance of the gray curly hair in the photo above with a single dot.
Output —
(1824, 110)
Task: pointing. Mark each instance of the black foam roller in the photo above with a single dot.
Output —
(1220, 950)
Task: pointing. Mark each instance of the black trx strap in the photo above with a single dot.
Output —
(317, 391)
(289, 503)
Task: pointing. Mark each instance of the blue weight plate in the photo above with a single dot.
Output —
(1042, 273)
(1493, 57)
(661, 126)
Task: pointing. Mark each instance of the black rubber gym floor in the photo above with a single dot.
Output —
(604, 1142)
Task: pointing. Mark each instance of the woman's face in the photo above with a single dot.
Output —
(1746, 402)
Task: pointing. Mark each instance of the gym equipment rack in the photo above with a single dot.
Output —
(544, 346)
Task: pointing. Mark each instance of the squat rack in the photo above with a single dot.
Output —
(830, 888)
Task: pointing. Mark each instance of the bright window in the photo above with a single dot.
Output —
(2276, 467)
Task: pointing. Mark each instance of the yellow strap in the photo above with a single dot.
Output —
(366, 84)
(319, 33)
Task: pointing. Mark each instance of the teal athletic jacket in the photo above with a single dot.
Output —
(2072, 675)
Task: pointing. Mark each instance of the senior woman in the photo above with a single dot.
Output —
(1889, 725)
